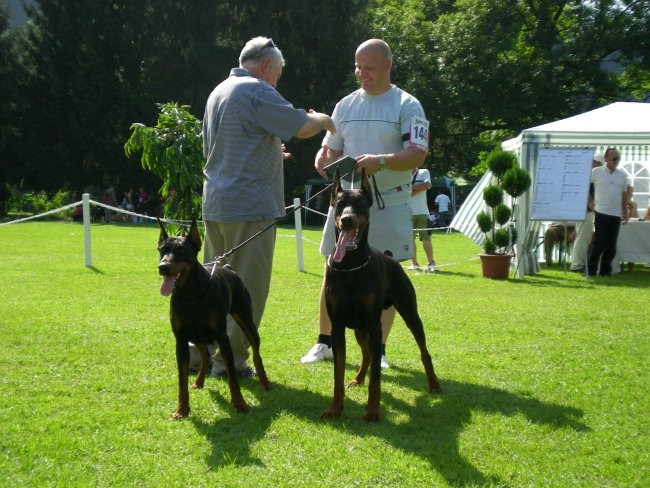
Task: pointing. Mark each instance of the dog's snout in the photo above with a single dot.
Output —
(347, 217)
(163, 268)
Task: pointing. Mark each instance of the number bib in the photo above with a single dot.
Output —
(419, 133)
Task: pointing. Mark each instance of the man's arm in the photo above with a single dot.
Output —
(419, 187)
(404, 160)
(316, 122)
(626, 209)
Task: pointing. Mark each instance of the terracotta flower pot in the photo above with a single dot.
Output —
(495, 266)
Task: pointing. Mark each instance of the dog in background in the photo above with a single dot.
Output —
(360, 282)
(201, 298)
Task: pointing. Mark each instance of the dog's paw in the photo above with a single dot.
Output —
(181, 414)
(356, 382)
(264, 381)
(434, 386)
(372, 417)
(332, 412)
(241, 407)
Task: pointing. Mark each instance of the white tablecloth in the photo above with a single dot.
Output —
(633, 244)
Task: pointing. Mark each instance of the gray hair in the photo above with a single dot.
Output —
(258, 49)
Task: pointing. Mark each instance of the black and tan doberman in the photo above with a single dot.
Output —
(201, 298)
(360, 282)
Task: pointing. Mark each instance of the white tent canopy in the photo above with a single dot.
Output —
(624, 125)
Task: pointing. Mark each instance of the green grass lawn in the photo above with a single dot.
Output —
(545, 378)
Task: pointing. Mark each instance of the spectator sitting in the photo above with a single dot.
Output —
(77, 214)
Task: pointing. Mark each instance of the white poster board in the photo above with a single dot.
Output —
(561, 186)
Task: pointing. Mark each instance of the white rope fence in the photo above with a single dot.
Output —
(86, 202)
(45, 214)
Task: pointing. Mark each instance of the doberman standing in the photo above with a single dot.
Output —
(360, 282)
(202, 296)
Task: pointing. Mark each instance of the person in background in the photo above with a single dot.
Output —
(633, 209)
(110, 198)
(611, 208)
(420, 183)
(384, 129)
(443, 202)
(585, 229)
(143, 200)
(244, 124)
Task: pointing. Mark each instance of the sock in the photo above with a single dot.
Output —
(383, 349)
(324, 339)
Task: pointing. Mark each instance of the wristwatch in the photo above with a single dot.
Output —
(382, 162)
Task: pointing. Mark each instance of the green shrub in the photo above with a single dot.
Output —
(34, 203)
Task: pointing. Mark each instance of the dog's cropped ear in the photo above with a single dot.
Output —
(163, 233)
(365, 186)
(336, 186)
(194, 235)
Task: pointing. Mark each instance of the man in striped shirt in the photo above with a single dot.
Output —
(244, 124)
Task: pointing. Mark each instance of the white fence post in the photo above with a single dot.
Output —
(298, 222)
(86, 216)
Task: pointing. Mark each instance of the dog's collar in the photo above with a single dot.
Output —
(329, 265)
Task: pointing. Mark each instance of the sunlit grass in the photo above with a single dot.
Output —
(545, 378)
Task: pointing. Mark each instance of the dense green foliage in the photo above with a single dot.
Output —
(36, 203)
(173, 151)
(81, 73)
(486, 69)
(77, 75)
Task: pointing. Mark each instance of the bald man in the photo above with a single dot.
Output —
(384, 128)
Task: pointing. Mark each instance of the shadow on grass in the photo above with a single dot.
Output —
(432, 432)
(95, 270)
(572, 280)
(458, 274)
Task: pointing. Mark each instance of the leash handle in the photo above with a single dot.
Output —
(290, 210)
(380, 200)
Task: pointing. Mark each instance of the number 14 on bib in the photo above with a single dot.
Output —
(419, 133)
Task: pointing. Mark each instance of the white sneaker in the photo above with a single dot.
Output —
(431, 267)
(384, 363)
(413, 267)
(318, 352)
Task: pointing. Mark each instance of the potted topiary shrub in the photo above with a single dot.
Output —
(495, 221)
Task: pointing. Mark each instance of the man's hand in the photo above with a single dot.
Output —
(285, 153)
(626, 215)
(324, 157)
(369, 162)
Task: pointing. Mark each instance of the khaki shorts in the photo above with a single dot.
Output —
(391, 229)
(421, 221)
